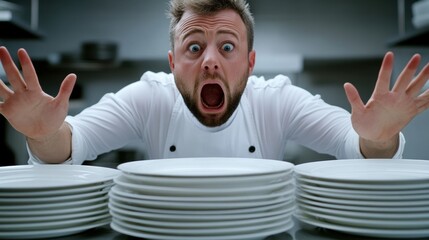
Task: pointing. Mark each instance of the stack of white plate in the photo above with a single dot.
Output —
(420, 10)
(44, 201)
(203, 198)
(370, 197)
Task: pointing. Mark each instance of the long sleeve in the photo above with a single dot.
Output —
(284, 112)
(138, 112)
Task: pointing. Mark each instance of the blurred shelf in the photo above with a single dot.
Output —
(419, 37)
(91, 66)
(342, 64)
(12, 20)
(86, 65)
(408, 34)
(14, 28)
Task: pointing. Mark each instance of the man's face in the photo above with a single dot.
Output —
(211, 64)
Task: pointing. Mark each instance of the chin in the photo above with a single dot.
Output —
(212, 121)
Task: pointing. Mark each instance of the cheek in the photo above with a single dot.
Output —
(239, 76)
(186, 84)
(188, 72)
(182, 84)
(186, 67)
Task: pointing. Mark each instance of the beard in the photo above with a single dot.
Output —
(232, 100)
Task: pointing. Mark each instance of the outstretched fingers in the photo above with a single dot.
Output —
(66, 88)
(407, 74)
(422, 101)
(12, 72)
(383, 82)
(28, 71)
(419, 81)
(5, 92)
(354, 97)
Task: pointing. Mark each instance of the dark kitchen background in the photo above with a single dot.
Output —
(319, 44)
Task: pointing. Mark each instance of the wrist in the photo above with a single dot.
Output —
(64, 128)
(54, 148)
(379, 149)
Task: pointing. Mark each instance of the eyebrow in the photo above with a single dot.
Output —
(193, 31)
(221, 31)
(230, 32)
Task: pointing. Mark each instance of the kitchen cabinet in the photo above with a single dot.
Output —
(12, 23)
(14, 28)
(408, 34)
(418, 38)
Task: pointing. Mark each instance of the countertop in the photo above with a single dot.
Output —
(300, 231)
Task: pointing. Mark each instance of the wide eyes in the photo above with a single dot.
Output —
(194, 48)
(227, 47)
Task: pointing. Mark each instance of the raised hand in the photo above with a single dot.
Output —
(28, 109)
(388, 111)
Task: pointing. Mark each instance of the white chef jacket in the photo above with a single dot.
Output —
(271, 112)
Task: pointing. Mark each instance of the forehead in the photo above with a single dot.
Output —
(225, 20)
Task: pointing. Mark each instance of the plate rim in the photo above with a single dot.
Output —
(144, 167)
(105, 174)
(391, 233)
(135, 233)
(315, 170)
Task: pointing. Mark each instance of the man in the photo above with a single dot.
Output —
(208, 105)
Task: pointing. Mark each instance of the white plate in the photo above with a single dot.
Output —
(55, 211)
(202, 213)
(52, 199)
(58, 205)
(357, 192)
(369, 223)
(370, 232)
(196, 205)
(404, 209)
(368, 197)
(36, 193)
(31, 226)
(120, 209)
(50, 233)
(53, 176)
(251, 235)
(288, 191)
(204, 192)
(367, 170)
(204, 231)
(363, 215)
(195, 223)
(210, 182)
(205, 167)
(42, 218)
(368, 203)
(301, 180)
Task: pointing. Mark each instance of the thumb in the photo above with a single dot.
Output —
(66, 88)
(353, 97)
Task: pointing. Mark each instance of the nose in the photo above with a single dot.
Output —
(211, 60)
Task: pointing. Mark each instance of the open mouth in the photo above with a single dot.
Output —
(212, 96)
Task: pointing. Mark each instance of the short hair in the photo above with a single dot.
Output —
(209, 7)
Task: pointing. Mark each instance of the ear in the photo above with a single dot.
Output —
(171, 60)
(252, 61)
